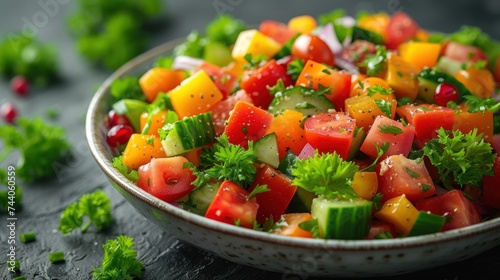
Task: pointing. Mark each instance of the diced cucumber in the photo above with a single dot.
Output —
(449, 65)
(200, 198)
(359, 33)
(301, 201)
(188, 134)
(217, 53)
(302, 99)
(266, 150)
(427, 223)
(287, 163)
(132, 109)
(426, 89)
(357, 141)
(342, 219)
(438, 76)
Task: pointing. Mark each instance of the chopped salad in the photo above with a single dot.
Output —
(331, 127)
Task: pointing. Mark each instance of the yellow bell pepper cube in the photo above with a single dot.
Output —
(400, 212)
(195, 95)
(303, 24)
(365, 184)
(420, 54)
(140, 149)
(254, 42)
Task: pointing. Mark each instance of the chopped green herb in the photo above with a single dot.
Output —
(375, 63)
(254, 61)
(478, 104)
(412, 173)
(295, 67)
(377, 201)
(131, 174)
(404, 100)
(119, 260)
(258, 189)
(304, 105)
(95, 206)
(384, 106)
(326, 71)
(27, 237)
(384, 235)
(311, 226)
(278, 87)
(425, 188)
(56, 257)
(382, 149)
(391, 129)
(126, 88)
(379, 89)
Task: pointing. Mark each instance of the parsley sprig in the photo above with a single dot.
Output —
(119, 261)
(376, 63)
(40, 144)
(327, 175)
(460, 158)
(95, 206)
(225, 161)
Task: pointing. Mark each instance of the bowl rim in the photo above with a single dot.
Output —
(98, 151)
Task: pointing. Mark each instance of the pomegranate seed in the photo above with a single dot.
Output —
(20, 85)
(8, 112)
(115, 119)
(119, 135)
(445, 93)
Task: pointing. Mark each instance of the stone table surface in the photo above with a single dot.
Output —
(164, 256)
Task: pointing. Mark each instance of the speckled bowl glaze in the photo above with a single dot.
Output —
(290, 256)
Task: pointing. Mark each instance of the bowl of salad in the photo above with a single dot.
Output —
(311, 146)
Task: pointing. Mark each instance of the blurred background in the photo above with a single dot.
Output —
(164, 256)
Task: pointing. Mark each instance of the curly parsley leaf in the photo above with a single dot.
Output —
(225, 161)
(327, 175)
(225, 29)
(127, 88)
(25, 56)
(460, 158)
(131, 174)
(384, 106)
(95, 206)
(311, 226)
(40, 144)
(119, 261)
(294, 68)
(375, 63)
(478, 104)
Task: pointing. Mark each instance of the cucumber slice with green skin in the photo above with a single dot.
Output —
(342, 219)
(132, 109)
(301, 201)
(266, 150)
(427, 223)
(302, 99)
(449, 65)
(188, 134)
(287, 163)
(359, 33)
(200, 198)
(438, 77)
(426, 89)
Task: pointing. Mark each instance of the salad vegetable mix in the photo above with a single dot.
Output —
(330, 127)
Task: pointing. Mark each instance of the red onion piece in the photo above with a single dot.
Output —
(186, 63)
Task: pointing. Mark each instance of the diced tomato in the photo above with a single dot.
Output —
(318, 76)
(166, 178)
(400, 28)
(496, 143)
(256, 82)
(427, 119)
(275, 201)
(463, 53)
(247, 123)
(399, 175)
(232, 206)
(379, 227)
(221, 110)
(276, 30)
(223, 80)
(311, 47)
(491, 186)
(453, 205)
(385, 130)
(291, 225)
(330, 132)
(357, 51)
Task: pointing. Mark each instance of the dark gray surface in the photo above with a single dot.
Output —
(164, 256)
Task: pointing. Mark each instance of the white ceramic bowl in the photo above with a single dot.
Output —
(308, 257)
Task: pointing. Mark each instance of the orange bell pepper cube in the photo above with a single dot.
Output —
(402, 77)
(420, 54)
(289, 133)
(140, 149)
(400, 212)
(157, 121)
(195, 95)
(158, 80)
(291, 224)
(318, 76)
(365, 109)
(466, 122)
